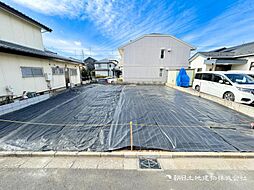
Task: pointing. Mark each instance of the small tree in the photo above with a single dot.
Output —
(84, 74)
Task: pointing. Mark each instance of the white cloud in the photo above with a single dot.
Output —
(124, 20)
(76, 49)
(234, 26)
(77, 43)
(68, 8)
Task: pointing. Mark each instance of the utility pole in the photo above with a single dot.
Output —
(83, 57)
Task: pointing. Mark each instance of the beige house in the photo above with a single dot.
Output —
(239, 57)
(149, 58)
(24, 63)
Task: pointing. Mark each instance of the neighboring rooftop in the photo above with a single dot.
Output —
(23, 16)
(107, 61)
(8, 47)
(230, 52)
(90, 60)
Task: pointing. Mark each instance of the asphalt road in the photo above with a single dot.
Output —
(61, 179)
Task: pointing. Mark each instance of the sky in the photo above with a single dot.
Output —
(96, 28)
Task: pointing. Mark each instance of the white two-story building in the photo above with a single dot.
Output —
(149, 58)
(105, 68)
(24, 63)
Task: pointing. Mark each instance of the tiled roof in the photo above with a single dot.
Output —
(239, 50)
(8, 47)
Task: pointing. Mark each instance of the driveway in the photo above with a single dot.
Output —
(97, 118)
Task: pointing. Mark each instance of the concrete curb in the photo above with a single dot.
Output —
(244, 109)
(128, 154)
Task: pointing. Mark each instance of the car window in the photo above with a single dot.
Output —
(198, 76)
(217, 78)
(207, 76)
(240, 78)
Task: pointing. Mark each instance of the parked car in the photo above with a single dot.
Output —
(111, 80)
(102, 81)
(227, 85)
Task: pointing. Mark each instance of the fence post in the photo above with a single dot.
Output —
(131, 137)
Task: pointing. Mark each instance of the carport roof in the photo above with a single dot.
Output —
(226, 61)
(8, 47)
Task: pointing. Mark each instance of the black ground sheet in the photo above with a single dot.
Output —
(97, 118)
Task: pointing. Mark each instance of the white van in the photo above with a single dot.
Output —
(227, 85)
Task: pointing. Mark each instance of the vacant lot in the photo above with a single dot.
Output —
(96, 118)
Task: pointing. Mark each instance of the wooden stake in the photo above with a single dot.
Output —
(131, 137)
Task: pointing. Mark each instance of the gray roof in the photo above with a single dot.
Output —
(244, 49)
(23, 16)
(228, 53)
(105, 61)
(8, 47)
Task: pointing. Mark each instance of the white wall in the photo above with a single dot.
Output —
(108, 66)
(101, 73)
(172, 75)
(246, 66)
(76, 78)
(10, 74)
(142, 60)
(16, 30)
(198, 62)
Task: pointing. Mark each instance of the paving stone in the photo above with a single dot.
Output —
(86, 163)
(200, 163)
(61, 162)
(111, 163)
(36, 162)
(167, 163)
(12, 162)
(130, 163)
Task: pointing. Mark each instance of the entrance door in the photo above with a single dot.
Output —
(67, 77)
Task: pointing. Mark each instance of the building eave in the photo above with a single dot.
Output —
(154, 35)
(10, 48)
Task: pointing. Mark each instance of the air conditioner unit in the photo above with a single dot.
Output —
(48, 76)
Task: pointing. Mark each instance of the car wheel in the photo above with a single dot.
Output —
(229, 96)
(197, 88)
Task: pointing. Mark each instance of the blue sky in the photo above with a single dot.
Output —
(98, 27)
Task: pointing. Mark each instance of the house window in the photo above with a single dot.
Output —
(161, 72)
(31, 72)
(73, 72)
(162, 53)
(57, 71)
(251, 66)
(99, 65)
